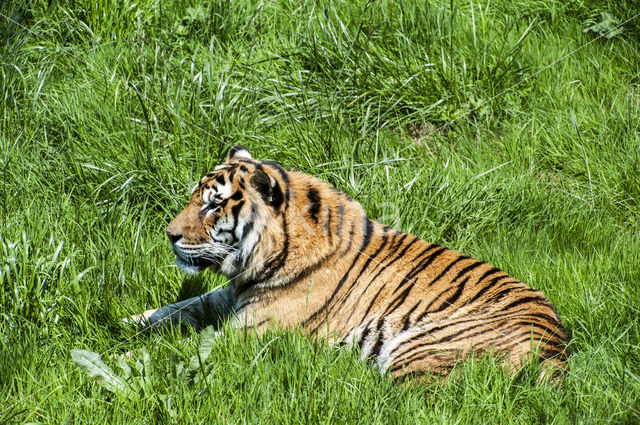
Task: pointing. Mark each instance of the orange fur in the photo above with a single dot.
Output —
(300, 252)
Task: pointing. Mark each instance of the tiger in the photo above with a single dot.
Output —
(299, 253)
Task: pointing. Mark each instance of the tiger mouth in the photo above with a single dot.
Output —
(199, 264)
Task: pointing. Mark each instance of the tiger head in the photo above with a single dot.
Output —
(233, 212)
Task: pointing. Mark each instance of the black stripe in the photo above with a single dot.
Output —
(306, 272)
(397, 301)
(500, 295)
(404, 352)
(530, 331)
(394, 247)
(445, 363)
(407, 317)
(399, 239)
(550, 353)
(418, 257)
(314, 203)
(327, 224)
(285, 179)
(454, 297)
(468, 269)
(486, 288)
(203, 212)
(483, 322)
(257, 325)
(446, 269)
(556, 341)
(330, 299)
(376, 347)
(235, 210)
(246, 302)
(509, 341)
(425, 263)
(427, 309)
(277, 197)
(549, 319)
(406, 247)
(538, 300)
(440, 367)
(385, 239)
(364, 335)
(457, 336)
(391, 250)
(283, 173)
(340, 219)
(504, 331)
(373, 301)
(488, 273)
(368, 230)
(407, 279)
(366, 239)
(249, 225)
(548, 336)
(433, 330)
(419, 267)
(280, 259)
(276, 264)
(352, 232)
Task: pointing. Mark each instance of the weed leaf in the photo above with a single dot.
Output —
(90, 362)
(207, 339)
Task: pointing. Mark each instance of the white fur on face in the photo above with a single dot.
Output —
(219, 192)
(186, 267)
(185, 253)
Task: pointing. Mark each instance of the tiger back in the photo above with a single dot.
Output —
(299, 252)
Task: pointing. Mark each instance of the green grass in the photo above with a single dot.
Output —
(509, 131)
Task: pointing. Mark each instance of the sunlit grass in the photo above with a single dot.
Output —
(451, 121)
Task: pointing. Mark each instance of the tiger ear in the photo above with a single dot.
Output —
(237, 152)
(268, 188)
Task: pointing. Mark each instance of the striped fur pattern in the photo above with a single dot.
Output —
(299, 252)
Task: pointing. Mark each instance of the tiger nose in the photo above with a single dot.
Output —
(173, 236)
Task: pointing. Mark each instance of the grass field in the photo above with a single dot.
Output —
(509, 131)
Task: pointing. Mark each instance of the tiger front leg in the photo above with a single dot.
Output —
(197, 312)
